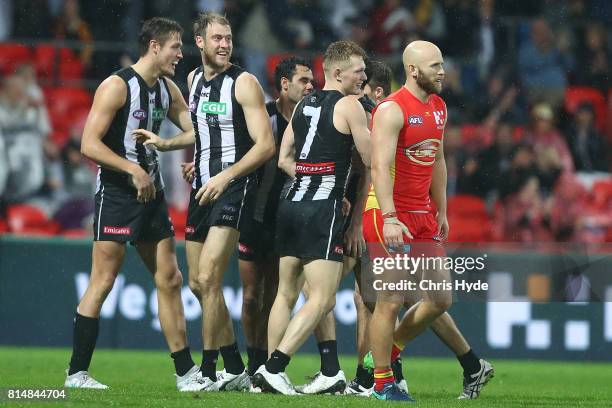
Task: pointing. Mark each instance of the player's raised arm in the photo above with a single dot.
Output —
(109, 98)
(286, 154)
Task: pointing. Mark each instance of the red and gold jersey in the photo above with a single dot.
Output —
(417, 145)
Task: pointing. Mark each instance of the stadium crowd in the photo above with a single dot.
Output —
(528, 145)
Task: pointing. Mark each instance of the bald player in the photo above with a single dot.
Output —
(407, 145)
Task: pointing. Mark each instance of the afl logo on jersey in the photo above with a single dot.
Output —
(415, 120)
(140, 114)
(423, 153)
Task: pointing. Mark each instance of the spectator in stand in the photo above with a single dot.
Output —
(34, 94)
(522, 167)
(542, 66)
(430, 19)
(461, 35)
(491, 41)
(390, 24)
(494, 161)
(457, 103)
(23, 133)
(498, 99)
(299, 24)
(525, 218)
(588, 147)
(594, 59)
(71, 27)
(543, 135)
(456, 157)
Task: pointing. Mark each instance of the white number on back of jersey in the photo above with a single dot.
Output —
(314, 114)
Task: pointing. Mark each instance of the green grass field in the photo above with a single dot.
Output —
(144, 378)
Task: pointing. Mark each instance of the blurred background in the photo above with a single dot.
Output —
(528, 140)
(528, 147)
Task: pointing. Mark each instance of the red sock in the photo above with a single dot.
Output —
(382, 376)
(395, 352)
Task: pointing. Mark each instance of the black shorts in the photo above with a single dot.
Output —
(232, 209)
(310, 229)
(256, 241)
(120, 217)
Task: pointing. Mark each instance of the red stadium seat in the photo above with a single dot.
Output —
(575, 95)
(12, 55)
(602, 194)
(3, 226)
(70, 68)
(469, 229)
(467, 206)
(63, 104)
(45, 60)
(317, 71)
(76, 233)
(27, 219)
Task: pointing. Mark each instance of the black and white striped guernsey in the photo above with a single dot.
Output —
(144, 108)
(221, 133)
(323, 154)
(271, 178)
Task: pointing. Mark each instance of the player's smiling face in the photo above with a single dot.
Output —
(430, 75)
(300, 84)
(170, 54)
(217, 46)
(353, 77)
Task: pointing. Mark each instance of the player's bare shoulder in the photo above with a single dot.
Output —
(389, 112)
(248, 88)
(112, 92)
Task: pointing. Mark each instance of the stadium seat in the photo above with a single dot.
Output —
(469, 229)
(467, 206)
(76, 233)
(317, 71)
(45, 61)
(27, 219)
(575, 95)
(3, 226)
(63, 104)
(70, 67)
(602, 194)
(179, 219)
(12, 55)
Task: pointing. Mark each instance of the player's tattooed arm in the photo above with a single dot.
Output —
(109, 98)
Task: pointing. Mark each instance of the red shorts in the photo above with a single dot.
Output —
(422, 226)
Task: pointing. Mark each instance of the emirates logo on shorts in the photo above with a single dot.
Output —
(118, 230)
(189, 229)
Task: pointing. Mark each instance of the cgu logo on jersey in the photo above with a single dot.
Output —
(140, 114)
(214, 108)
(158, 114)
(440, 119)
(424, 152)
(415, 120)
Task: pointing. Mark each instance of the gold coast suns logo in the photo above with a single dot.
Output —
(424, 152)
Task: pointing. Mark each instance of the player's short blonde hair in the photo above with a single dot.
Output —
(340, 53)
(205, 19)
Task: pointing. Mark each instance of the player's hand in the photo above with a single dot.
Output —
(346, 207)
(188, 171)
(148, 139)
(213, 188)
(443, 226)
(144, 185)
(353, 240)
(394, 231)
